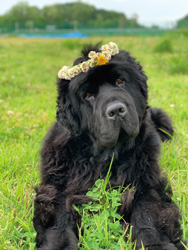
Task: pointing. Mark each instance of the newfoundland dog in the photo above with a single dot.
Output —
(102, 110)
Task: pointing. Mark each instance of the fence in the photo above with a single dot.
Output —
(40, 29)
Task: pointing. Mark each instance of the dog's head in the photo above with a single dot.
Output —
(108, 101)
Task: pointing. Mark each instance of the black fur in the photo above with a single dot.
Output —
(78, 149)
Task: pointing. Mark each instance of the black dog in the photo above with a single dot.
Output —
(101, 112)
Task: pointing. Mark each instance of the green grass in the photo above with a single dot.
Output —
(28, 72)
(101, 226)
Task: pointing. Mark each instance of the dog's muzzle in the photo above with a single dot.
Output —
(115, 118)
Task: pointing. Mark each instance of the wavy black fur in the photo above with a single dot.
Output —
(78, 150)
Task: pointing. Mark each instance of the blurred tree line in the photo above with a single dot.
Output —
(183, 23)
(65, 16)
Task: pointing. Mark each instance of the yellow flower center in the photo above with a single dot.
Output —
(102, 60)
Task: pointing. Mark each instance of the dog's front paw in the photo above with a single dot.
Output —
(55, 239)
(168, 246)
(181, 245)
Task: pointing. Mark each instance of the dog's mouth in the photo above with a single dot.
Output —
(123, 136)
(117, 135)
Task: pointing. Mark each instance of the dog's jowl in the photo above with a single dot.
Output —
(102, 110)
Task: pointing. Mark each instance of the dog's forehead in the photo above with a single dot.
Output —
(100, 74)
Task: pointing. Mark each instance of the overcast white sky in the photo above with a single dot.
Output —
(149, 11)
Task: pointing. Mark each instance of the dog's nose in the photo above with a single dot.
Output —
(116, 110)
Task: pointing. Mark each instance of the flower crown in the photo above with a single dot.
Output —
(96, 58)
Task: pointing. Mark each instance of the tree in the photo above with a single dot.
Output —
(22, 12)
(69, 15)
(183, 23)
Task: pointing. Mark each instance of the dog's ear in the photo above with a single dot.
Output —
(143, 80)
(67, 109)
(138, 73)
(66, 113)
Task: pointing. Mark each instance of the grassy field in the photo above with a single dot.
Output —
(28, 71)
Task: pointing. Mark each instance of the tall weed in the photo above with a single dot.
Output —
(164, 46)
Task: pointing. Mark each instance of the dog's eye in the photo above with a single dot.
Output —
(88, 95)
(119, 82)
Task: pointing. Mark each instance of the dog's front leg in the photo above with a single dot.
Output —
(54, 224)
(156, 224)
(57, 238)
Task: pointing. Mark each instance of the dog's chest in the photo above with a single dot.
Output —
(122, 172)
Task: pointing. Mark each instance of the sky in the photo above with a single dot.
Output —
(150, 12)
